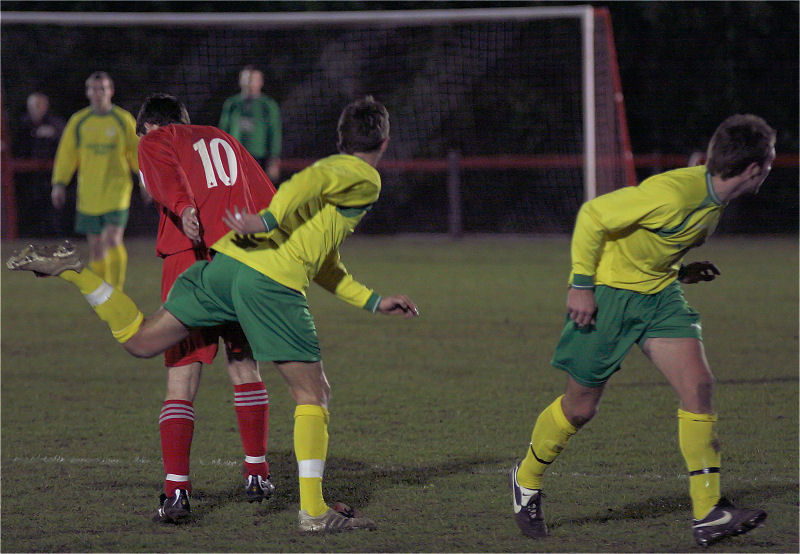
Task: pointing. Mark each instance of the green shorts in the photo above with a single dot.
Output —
(94, 224)
(592, 354)
(274, 318)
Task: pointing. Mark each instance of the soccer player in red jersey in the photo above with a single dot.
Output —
(195, 173)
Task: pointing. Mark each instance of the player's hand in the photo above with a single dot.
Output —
(698, 271)
(58, 195)
(191, 225)
(581, 306)
(243, 222)
(398, 305)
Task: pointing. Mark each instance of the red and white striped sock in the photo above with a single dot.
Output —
(252, 411)
(176, 424)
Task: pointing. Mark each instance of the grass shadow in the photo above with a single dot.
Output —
(346, 480)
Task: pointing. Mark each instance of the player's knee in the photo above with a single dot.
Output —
(139, 348)
(583, 416)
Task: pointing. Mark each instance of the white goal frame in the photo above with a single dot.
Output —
(398, 18)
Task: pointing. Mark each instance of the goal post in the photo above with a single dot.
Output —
(528, 98)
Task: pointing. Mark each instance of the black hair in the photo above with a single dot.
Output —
(161, 109)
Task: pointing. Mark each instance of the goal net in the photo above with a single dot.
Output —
(527, 99)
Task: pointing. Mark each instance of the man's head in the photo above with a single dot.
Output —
(363, 127)
(742, 146)
(251, 81)
(160, 109)
(99, 90)
(38, 104)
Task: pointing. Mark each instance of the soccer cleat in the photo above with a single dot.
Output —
(527, 505)
(725, 520)
(339, 518)
(46, 260)
(257, 488)
(173, 509)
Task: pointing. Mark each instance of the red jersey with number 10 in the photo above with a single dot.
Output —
(202, 167)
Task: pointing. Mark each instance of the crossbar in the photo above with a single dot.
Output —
(269, 20)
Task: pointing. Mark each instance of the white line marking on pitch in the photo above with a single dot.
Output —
(140, 460)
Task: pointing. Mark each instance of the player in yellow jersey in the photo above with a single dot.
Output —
(627, 250)
(259, 277)
(99, 142)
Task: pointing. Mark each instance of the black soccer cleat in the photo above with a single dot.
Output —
(173, 509)
(726, 520)
(527, 505)
(258, 488)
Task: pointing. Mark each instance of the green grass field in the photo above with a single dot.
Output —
(427, 415)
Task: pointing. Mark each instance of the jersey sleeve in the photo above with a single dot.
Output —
(334, 277)
(642, 206)
(132, 143)
(274, 128)
(225, 116)
(66, 161)
(163, 176)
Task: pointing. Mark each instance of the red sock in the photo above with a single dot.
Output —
(177, 426)
(252, 412)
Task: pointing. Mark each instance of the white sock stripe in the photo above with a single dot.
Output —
(178, 478)
(255, 403)
(164, 418)
(258, 393)
(177, 410)
(255, 459)
(311, 468)
(100, 295)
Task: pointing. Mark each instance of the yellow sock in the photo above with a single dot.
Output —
(311, 449)
(116, 266)
(700, 449)
(550, 435)
(111, 305)
(99, 267)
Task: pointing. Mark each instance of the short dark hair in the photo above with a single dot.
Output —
(739, 141)
(161, 109)
(363, 126)
(100, 76)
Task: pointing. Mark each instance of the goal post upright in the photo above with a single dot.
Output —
(589, 121)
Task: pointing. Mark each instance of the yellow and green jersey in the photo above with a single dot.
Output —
(103, 149)
(309, 217)
(635, 238)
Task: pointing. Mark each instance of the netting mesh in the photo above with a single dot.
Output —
(482, 89)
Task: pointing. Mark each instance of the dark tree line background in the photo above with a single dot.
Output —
(685, 66)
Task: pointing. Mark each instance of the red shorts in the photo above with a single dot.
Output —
(202, 344)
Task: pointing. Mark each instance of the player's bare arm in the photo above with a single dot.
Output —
(698, 271)
(581, 306)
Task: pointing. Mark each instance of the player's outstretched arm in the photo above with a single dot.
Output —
(398, 305)
(698, 271)
(244, 222)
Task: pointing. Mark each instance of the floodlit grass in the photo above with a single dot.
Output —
(427, 415)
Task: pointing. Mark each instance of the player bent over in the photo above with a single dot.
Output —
(258, 278)
(174, 168)
(627, 250)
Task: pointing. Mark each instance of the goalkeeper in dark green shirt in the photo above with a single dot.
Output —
(627, 253)
(254, 119)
